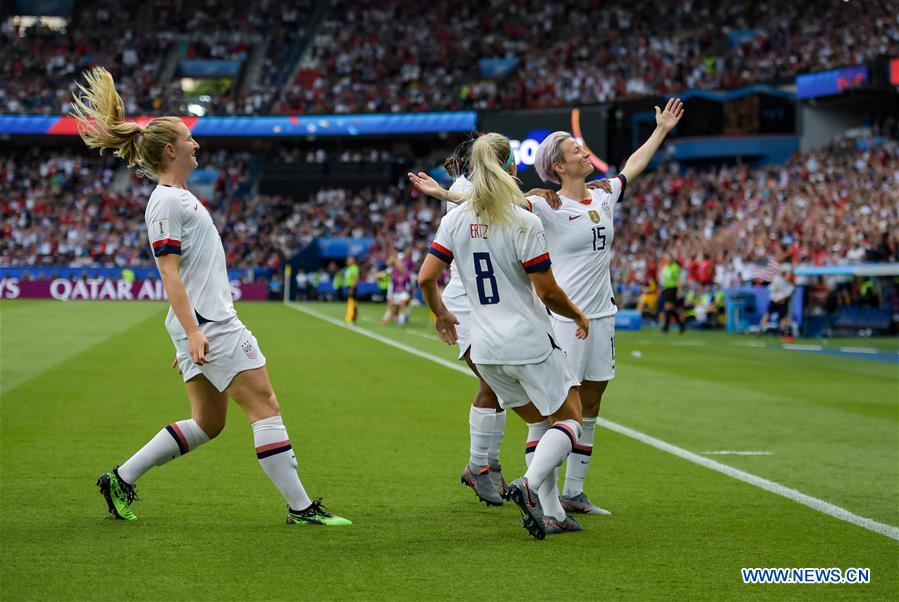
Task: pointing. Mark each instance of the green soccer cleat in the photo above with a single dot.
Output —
(315, 514)
(118, 494)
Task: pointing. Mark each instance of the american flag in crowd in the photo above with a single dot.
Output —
(766, 272)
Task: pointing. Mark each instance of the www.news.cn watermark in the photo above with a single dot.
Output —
(852, 576)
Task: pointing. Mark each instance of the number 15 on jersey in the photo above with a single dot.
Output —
(599, 238)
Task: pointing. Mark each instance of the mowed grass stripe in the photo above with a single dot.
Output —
(67, 329)
(751, 479)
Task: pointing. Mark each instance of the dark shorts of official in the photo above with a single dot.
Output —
(780, 309)
(669, 295)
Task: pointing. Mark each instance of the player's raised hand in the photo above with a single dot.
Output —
(668, 119)
(446, 328)
(198, 347)
(603, 185)
(427, 185)
(550, 196)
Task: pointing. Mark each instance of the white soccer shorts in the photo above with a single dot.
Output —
(594, 357)
(545, 384)
(401, 297)
(461, 308)
(232, 350)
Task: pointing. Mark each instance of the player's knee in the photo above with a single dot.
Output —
(211, 426)
(486, 398)
(269, 405)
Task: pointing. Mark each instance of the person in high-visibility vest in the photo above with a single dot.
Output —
(669, 276)
(351, 279)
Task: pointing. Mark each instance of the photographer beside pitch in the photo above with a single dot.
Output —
(216, 354)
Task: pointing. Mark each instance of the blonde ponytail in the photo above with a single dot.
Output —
(494, 192)
(101, 124)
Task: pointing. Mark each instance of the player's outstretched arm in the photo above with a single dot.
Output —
(174, 288)
(430, 271)
(429, 186)
(666, 121)
(557, 301)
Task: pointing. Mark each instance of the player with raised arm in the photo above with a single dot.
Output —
(218, 357)
(486, 418)
(501, 258)
(579, 235)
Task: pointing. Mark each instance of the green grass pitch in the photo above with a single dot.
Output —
(382, 435)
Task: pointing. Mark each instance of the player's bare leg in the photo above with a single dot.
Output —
(252, 390)
(573, 497)
(209, 409)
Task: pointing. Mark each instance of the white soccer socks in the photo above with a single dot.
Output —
(171, 442)
(579, 460)
(547, 447)
(499, 430)
(277, 459)
(480, 429)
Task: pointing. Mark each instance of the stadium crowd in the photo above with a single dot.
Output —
(834, 205)
(837, 204)
(393, 56)
(399, 55)
(39, 64)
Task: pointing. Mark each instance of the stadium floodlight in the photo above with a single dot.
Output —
(195, 109)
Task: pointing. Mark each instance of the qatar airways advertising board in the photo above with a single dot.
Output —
(109, 289)
(527, 129)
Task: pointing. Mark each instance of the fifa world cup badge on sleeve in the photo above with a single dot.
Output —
(161, 228)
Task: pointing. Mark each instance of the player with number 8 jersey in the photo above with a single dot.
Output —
(500, 254)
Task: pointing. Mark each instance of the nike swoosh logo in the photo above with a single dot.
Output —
(570, 218)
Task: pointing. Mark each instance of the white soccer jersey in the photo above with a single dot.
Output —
(509, 323)
(178, 223)
(579, 236)
(454, 293)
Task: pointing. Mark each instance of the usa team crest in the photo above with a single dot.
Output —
(606, 209)
(248, 348)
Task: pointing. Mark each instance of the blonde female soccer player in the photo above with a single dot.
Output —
(216, 354)
(579, 235)
(486, 418)
(500, 254)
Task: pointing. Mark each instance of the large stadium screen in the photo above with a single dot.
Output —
(527, 130)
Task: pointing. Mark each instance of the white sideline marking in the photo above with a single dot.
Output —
(754, 344)
(859, 350)
(770, 486)
(431, 337)
(727, 452)
(797, 347)
(382, 339)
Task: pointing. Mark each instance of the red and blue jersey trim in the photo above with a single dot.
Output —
(167, 246)
(540, 263)
(623, 180)
(441, 252)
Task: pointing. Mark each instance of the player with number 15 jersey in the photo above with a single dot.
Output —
(500, 254)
